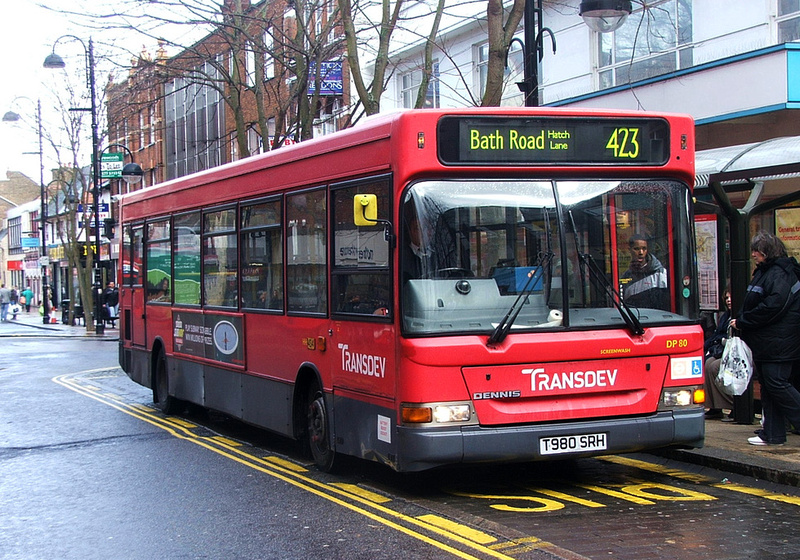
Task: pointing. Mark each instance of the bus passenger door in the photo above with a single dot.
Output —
(133, 300)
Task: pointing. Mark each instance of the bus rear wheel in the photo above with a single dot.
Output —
(161, 397)
(318, 431)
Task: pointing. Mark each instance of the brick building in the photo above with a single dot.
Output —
(232, 94)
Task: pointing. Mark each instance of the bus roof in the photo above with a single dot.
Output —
(371, 131)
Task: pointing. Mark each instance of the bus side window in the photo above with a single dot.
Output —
(261, 246)
(186, 254)
(360, 274)
(220, 258)
(159, 262)
(306, 242)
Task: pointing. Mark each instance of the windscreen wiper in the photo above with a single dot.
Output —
(504, 326)
(599, 277)
(625, 311)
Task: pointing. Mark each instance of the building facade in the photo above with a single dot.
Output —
(734, 65)
(17, 191)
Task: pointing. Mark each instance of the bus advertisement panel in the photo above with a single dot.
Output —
(432, 287)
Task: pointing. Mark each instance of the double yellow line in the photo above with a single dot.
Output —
(444, 534)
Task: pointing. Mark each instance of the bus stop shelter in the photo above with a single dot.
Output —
(740, 183)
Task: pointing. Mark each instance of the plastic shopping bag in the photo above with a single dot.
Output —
(736, 367)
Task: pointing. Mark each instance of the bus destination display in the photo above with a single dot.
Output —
(553, 140)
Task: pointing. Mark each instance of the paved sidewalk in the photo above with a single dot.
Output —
(31, 324)
(726, 446)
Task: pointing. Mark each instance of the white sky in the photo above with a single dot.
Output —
(27, 34)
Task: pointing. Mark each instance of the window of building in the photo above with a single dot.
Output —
(159, 262)
(151, 136)
(306, 252)
(142, 129)
(194, 119)
(250, 64)
(653, 41)
(788, 21)
(262, 255)
(330, 109)
(220, 258)
(15, 235)
(360, 274)
(514, 71)
(269, 56)
(254, 144)
(482, 66)
(410, 82)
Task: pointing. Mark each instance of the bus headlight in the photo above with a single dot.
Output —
(677, 396)
(436, 413)
(451, 413)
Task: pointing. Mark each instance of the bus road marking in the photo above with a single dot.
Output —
(459, 529)
(733, 487)
(659, 469)
(616, 494)
(358, 491)
(521, 545)
(289, 465)
(702, 479)
(568, 498)
(422, 529)
(180, 422)
(544, 504)
(226, 441)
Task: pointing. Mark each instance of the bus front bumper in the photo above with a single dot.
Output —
(424, 448)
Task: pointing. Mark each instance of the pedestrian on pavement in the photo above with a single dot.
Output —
(770, 324)
(111, 301)
(716, 399)
(27, 294)
(5, 301)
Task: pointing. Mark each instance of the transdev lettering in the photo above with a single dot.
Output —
(543, 381)
(364, 364)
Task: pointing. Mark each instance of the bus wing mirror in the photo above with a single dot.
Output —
(365, 209)
(365, 213)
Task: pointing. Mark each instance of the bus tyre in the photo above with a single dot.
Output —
(161, 397)
(318, 431)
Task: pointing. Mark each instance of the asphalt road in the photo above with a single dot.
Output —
(88, 469)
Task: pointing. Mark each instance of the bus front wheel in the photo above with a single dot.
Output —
(161, 397)
(318, 431)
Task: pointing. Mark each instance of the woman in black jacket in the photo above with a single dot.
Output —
(770, 324)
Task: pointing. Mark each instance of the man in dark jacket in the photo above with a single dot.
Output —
(770, 324)
(645, 281)
(111, 301)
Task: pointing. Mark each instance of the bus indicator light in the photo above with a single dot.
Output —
(417, 415)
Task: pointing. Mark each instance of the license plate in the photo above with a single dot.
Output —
(573, 444)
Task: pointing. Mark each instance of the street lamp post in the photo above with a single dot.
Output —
(11, 116)
(602, 16)
(55, 61)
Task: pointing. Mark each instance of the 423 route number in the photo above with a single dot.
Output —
(624, 142)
